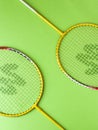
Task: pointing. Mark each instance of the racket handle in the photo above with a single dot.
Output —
(42, 17)
(50, 118)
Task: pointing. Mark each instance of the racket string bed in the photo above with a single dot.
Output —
(77, 50)
(21, 85)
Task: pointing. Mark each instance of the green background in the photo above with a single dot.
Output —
(73, 106)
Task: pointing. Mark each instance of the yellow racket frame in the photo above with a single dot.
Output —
(37, 101)
(62, 34)
(35, 105)
(61, 38)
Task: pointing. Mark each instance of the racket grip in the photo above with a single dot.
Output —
(50, 118)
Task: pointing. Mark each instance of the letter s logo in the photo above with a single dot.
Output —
(10, 79)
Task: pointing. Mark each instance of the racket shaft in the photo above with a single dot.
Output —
(50, 118)
(42, 17)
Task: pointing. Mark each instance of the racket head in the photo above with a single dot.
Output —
(73, 54)
(21, 83)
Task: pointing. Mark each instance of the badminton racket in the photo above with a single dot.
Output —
(21, 84)
(76, 51)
